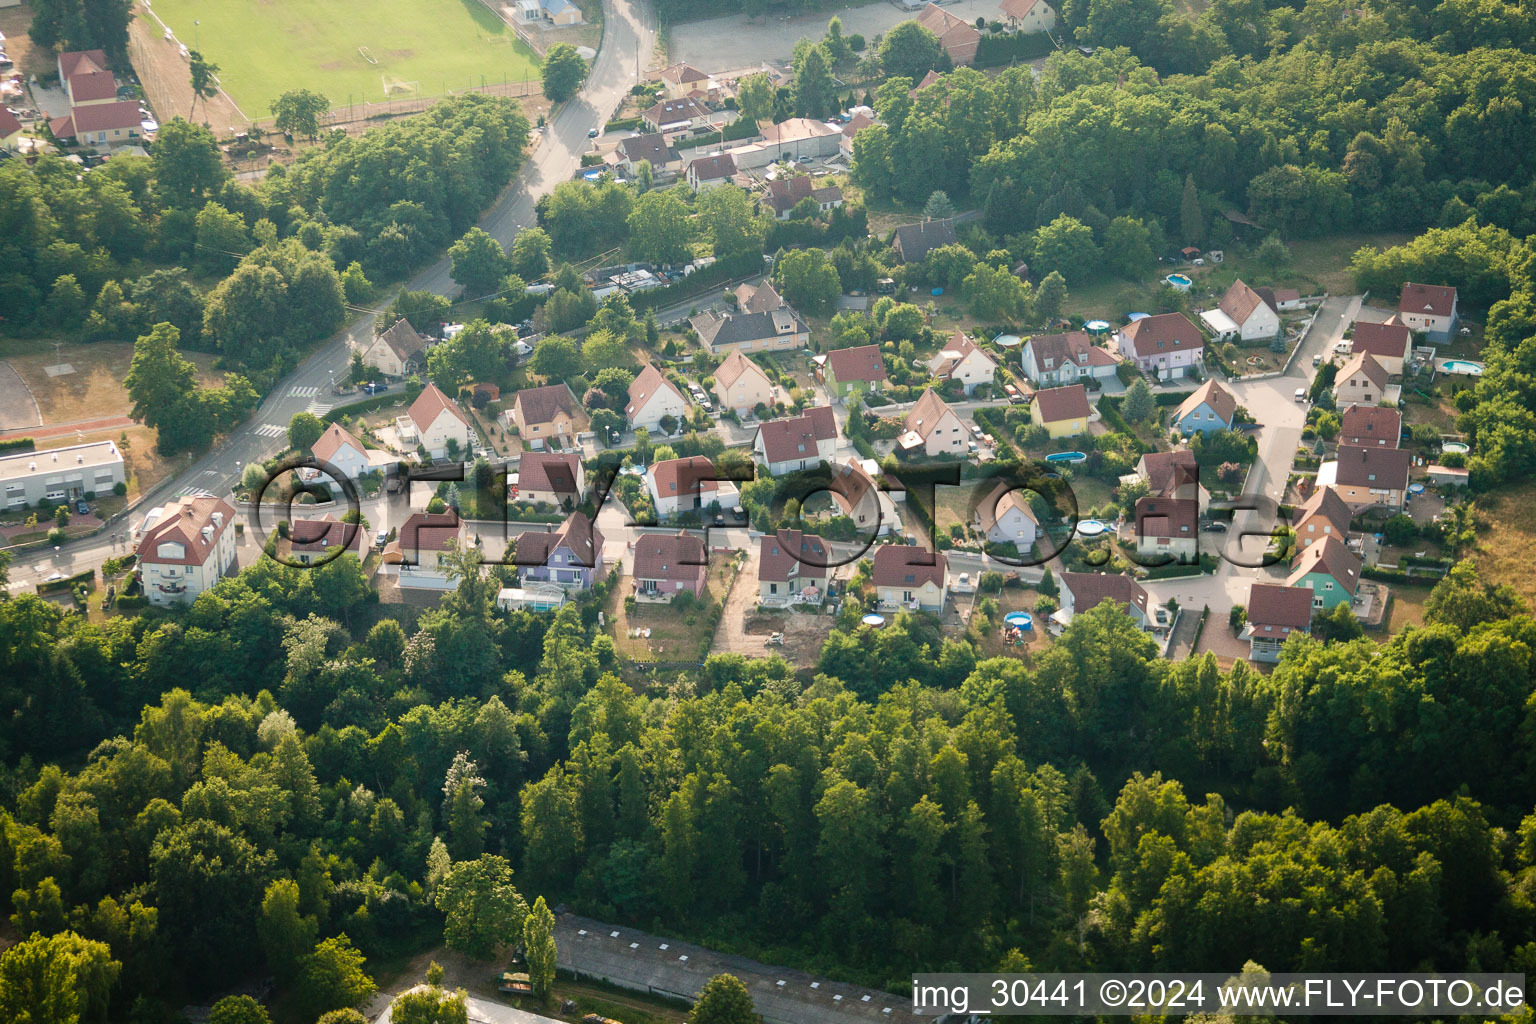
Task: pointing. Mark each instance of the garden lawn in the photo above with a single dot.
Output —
(264, 49)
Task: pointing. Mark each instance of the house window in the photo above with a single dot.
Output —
(773, 588)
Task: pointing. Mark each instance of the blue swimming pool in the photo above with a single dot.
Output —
(1180, 282)
(1019, 620)
(1066, 457)
(1091, 528)
(1462, 366)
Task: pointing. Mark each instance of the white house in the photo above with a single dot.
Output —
(1004, 516)
(349, 456)
(802, 442)
(1242, 314)
(432, 422)
(932, 428)
(910, 577)
(397, 352)
(707, 172)
(963, 361)
(1362, 380)
(1053, 360)
(186, 547)
(1390, 344)
(741, 385)
(682, 485)
(1168, 527)
(416, 553)
(61, 474)
(1429, 309)
(1028, 15)
(651, 398)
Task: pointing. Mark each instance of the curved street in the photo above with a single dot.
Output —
(629, 37)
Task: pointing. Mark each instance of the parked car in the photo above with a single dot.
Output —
(83, 507)
(1301, 394)
(373, 387)
(1317, 360)
(592, 133)
(1216, 526)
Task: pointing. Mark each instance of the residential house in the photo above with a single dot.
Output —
(1166, 345)
(1389, 344)
(1330, 571)
(798, 443)
(857, 123)
(913, 242)
(84, 76)
(1362, 380)
(551, 478)
(1063, 411)
(758, 298)
(185, 547)
(682, 485)
(397, 352)
(685, 115)
(666, 565)
(1283, 299)
(1242, 314)
(1005, 517)
(1274, 614)
(1028, 15)
(1168, 526)
(846, 368)
(796, 138)
(1429, 309)
(1371, 426)
(341, 450)
(682, 80)
(560, 13)
(1081, 591)
(10, 130)
(1049, 360)
(435, 423)
(963, 360)
(707, 172)
(791, 566)
(777, 330)
(783, 195)
(100, 124)
(870, 507)
(1321, 516)
(652, 398)
(741, 385)
(932, 428)
(1173, 474)
(651, 148)
(1209, 409)
(910, 577)
(571, 556)
(957, 37)
(418, 549)
(1368, 477)
(61, 474)
(548, 415)
(318, 541)
(74, 62)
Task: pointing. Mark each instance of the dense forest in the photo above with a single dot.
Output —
(183, 788)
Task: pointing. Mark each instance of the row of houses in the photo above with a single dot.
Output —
(97, 117)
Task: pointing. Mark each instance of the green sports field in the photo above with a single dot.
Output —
(363, 49)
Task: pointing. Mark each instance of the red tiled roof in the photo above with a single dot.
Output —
(954, 353)
(576, 534)
(92, 85)
(861, 363)
(1018, 9)
(1073, 347)
(430, 531)
(1363, 362)
(926, 413)
(1065, 403)
(1371, 425)
(1281, 608)
(548, 471)
(1213, 394)
(998, 503)
(902, 565)
(325, 534)
(1239, 302)
(783, 439)
(733, 366)
(1091, 589)
(680, 477)
(429, 405)
(1167, 518)
(1325, 503)
(1331, 557)
(790, 553)
(1162, 468)
(181, 522)
(678, 556)
(75, 61)
(539, 405)
(644, 387)
(1166, 332)
(1382, 468)
(1393, 340)
(99, 117)
(331, 441)
(713, 168)
(1434, 299)
(8, 124)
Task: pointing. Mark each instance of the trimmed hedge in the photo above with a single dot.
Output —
(735, 132)
(1005, 49)
(17, 444)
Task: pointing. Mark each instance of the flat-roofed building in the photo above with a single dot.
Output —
(60, 474)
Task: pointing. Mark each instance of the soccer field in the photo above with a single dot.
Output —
(362, 50)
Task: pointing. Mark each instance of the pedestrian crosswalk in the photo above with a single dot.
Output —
(319, 408)
(302, 392)
(270, 430)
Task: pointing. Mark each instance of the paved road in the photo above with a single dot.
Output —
(629, 36)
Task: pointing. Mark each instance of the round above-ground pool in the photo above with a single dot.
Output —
(1019, 620)
(1464, 366)
(1066, 457)
(873, 620)
(1091, 528)
(1415, 488)
(1456, 446)
(1097, 326)
(1007, 341)
(1133, 317)
(1180, 282)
